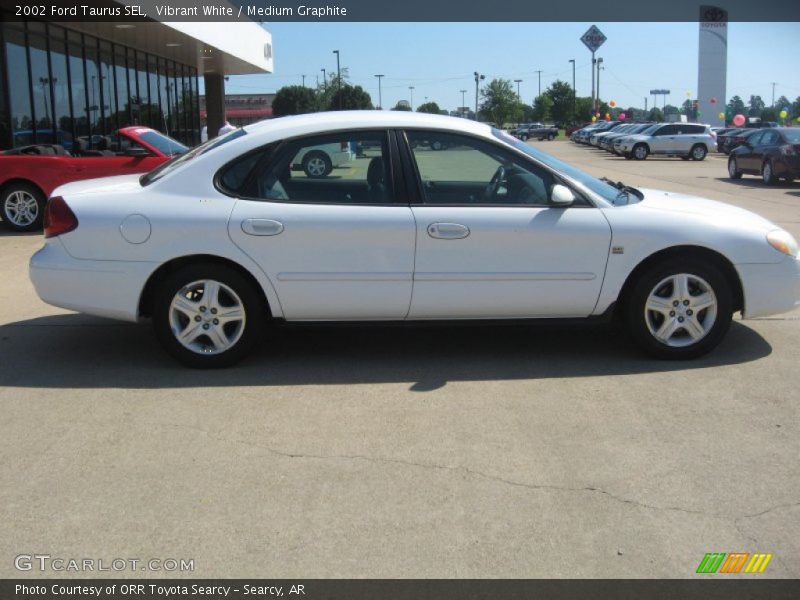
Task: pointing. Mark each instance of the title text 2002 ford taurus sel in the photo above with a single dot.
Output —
(217, 241)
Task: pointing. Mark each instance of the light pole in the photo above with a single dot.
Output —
(304, 80)
(463, 102)
(338, 78)
(478, 78)
(380, 97)
(518, 81)
(574, 91)
(324, 80)
(540, 82)
(411, 89)
(597, 100)
(773, 93)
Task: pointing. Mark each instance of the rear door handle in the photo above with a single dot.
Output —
(262, 227)
(448, 231)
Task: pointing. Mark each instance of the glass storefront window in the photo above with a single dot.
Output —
(20, 92)
(69, 85)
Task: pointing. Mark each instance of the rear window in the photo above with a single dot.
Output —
(181, 159)
(792, 135)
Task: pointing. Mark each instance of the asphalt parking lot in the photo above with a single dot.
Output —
(405, 452)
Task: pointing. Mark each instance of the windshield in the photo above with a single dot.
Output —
(181, 159)
(165, 145)
(601, 188)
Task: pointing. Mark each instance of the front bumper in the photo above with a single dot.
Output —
(770, 289)
(106, 288)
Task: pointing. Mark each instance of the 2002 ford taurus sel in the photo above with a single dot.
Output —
(437, 218)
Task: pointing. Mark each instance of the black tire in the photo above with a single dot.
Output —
(638, 320)
(550, 137)
(768, 173)
(317, 164)
(640, 151)
(524, 137)
(698, 152)
(250, 329)
(733, 168)
(33, 201)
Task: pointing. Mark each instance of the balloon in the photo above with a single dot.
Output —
(594, 118)
(713, 100)
(797, 119)
(783, 114)
(688, 93)
(721, 115)
(612, 103)
(608, 117)
(597, 115)
(738, 120)
(621, 116)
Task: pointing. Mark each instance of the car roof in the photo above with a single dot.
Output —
(364, 119)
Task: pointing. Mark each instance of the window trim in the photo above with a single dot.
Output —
(412, 172)
(281, 144)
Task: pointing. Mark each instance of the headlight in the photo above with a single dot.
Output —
(783, 241)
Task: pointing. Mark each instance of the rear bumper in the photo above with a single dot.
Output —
(97, 287)
(770, 289)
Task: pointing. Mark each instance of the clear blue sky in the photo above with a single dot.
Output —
(438, 59)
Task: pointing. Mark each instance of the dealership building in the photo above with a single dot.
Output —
(62, 81)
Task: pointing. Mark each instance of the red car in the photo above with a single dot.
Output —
(29, 175)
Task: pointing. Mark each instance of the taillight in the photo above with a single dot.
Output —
(788, 150)
(58, 217)
(345, 146)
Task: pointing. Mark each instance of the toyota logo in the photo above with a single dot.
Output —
(713, 13)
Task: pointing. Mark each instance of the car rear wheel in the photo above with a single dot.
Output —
(207, 316)
(768, 173)
(524, 137)
(550, 137)
(680, 309)
(316, 164)
(733, 169)
(699, 152)
(640, 152)
(23, 207)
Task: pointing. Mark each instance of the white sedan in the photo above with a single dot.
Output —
(215, 243)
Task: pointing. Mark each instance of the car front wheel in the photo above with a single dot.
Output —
(733, 169)
(207, 316)
(640, 152)
(680, 309)
(23, 207)
(768, 173)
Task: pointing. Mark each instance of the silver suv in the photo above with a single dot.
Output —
(687, 140)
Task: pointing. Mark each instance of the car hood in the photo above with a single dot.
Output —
(672, 203)
(102, 185)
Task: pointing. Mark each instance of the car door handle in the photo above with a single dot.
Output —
(448, 231)
(262, 227)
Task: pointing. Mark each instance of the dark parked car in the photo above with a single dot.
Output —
(733, 139)
(771, 153)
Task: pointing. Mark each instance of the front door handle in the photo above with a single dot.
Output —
(262, 227)
(448, 231)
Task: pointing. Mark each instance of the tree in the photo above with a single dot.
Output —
(429, 107)
(770, 114)
(783, 103)
(756, 106)
(294, 100)
(563, 99)
(402, 105)
(350, 97)
(795, 110)
(655, 114)
(500, 103)
(542, 108)
(735, 106)
(583, 108)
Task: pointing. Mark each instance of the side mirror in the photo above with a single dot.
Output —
(562, 195)
(134, 151)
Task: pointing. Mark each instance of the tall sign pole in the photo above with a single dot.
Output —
(593, 39)
(712, 64)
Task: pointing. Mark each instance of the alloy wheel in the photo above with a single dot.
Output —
(21, 208)
(680, 310)
(207, 317)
